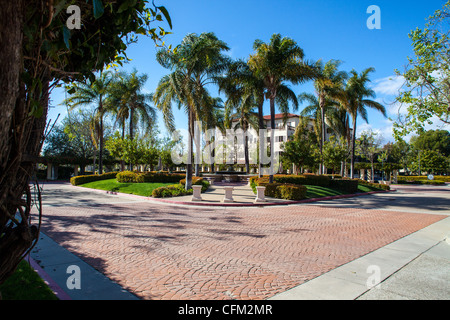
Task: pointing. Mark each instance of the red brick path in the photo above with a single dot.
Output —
(173, 252)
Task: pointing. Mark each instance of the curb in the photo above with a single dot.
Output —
(260, 204)
(47, 279)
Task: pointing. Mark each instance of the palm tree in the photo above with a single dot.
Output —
(241, 83)
(195, 63)
(357, 94)
(277, 62)
(328, 85)
(93, 92)
(129, 102)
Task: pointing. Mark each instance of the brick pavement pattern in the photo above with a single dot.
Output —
(172, 252)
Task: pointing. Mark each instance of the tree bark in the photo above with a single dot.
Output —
(272, 137)
(352, 160)
(21, 136)
(261, 126)
(188, 184)
(100, 155)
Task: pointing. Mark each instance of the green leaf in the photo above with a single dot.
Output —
(166, 15)
(66, 36)
(123, 7)
(98, 8)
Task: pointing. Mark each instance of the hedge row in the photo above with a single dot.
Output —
(288, 191)
(411, 179)
(149, 177)
(76, 181)
(373, 185)
(430, 182)
(176, 190)
(347, 185)
(308, 179)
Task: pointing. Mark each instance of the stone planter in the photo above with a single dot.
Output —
(260, 194)
(228, 194)
(197, 190)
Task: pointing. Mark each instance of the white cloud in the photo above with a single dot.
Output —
(389, 85)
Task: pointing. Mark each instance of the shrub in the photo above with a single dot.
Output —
(170, 191)
(419, 179)
(278, 190)
(292, 191)
(373, 185)
(176, 190)
(346, 185)
(308, 179)
(163, 177)
(126, 176)
(195, 180)
(78, 180)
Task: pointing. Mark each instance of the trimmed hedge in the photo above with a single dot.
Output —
(76, 181)
(150, 177)
(373, 185)
(308, 179)
(278, 190)
(292, 191)
(195, 181)
(347, 185)
(126, 176)
(176, 190)
(419, 179)
(170, 191)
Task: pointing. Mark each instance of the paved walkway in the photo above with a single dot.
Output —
(153, 250)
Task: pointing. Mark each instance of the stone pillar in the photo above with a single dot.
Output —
(197, 190)
(361, 173)
(49, 171)
(260, 194)
(228, 194)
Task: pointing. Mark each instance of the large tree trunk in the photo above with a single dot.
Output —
(261, 126)
(188, 184)
(20, 141)
(322, 138)
(272, 137)
(100, 155)
(352, 161)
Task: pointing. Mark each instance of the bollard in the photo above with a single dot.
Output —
(196, 196)
(228, 194)
(260, 194)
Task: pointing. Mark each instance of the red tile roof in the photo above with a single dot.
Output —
(280, 116)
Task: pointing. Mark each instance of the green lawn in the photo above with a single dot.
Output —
(140, 189)
(25, 284)
(318, 192)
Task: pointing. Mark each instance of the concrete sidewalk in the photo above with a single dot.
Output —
(55, 261)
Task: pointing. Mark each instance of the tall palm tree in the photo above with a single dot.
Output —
(328, 85)
(128, 102)
(195, 63)
(357, 99)
(276, 63)
(92, 92)
(241, 83)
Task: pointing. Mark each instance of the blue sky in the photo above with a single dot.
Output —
(324, 29)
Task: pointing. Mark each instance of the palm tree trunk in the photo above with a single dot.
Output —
(261, 126)
(100, 156)
(188, 184)
(247, 161)
(322, 138)
(352, 162)
(272, 137)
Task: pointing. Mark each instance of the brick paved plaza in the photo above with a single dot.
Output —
(160, 251)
